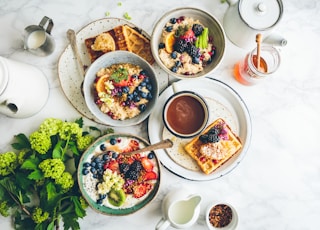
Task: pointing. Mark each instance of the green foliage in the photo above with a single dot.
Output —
(38, 188)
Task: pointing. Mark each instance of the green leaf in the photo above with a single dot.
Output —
(51, 191)
(22, 142)
(78, 208)
(51, 226)
(57, 151)
(73, 148)
(79, 122)
(70, 222)
(30, 164)
(36, 175)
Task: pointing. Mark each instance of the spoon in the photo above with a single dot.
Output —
(258, 40)
(73, 42)
(160, 145)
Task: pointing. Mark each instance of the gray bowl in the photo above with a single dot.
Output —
(107, 60)
(215, 30)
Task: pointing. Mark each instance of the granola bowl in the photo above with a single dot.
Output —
(120, 88)
(188, 43)
(221, 216)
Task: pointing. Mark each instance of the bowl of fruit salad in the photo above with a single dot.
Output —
(115, 182)
(188, 43)
(120, 88)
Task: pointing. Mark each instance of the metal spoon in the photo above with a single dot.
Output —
(160, 145)
(73, 42)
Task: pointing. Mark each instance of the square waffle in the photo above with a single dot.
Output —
(123, 38)
(211, 155)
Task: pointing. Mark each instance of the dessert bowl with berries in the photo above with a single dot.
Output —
(188, 43)
(114, 181)
(120, 88)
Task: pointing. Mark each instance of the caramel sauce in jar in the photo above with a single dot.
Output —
(185, 114)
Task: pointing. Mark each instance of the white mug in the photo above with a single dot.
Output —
(24, 89)
(180, 209)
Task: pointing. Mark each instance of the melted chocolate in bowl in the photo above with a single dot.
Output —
(185, 114)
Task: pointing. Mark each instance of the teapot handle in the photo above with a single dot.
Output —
(44, 20)
(162, 224)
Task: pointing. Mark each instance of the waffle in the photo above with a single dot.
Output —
(210, 156)
(124, 38)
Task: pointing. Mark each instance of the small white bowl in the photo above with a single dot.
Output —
(234, 221)
(215, 30)
(107, 60)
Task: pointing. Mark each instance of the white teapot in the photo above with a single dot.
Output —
(24, 89)
(244, 19)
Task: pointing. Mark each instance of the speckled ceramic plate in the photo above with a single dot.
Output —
(69, 75)
(87, 184)
(223, 102)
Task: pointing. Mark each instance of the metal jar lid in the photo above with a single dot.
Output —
(3, 75)
(260, 14)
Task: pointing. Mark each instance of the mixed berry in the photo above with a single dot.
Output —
(215, 134)
(119, 175)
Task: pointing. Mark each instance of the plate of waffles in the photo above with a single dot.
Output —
(120, 34)
(226, 109)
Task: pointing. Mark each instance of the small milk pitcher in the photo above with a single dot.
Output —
(180, 210)
(24, 89)
(38, 39)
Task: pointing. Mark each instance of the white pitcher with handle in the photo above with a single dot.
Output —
(24, 89)
(180, 209)
(244, 19)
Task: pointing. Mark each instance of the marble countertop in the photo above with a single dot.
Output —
(277, 185)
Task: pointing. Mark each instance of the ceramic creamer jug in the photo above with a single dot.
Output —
(244, 19)
(180, 209)
(24, 89)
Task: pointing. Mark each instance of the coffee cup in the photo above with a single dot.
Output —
(38, 39)
(185, 114)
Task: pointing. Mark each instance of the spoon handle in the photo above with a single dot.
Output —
(73, 42)
(160, 145)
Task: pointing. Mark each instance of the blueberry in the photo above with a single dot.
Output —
(113, 141)
(161, 45)
(99, 201)
(125, 89)
(102, 147)
(135, 93)
(174, 54)
(99, 165)
(173, 20)
(143, 72)
(93, 164)
(151, 155)
(178, 63)
(136, 99)
(102, 196)
(143, 94)
(93, 170)
(86, 164)
(144, 83)
(139, 88)
(169, 28)
(85, 171)
(97, 160)
(174, 69)
(149, 96)
(149, 87)
(115, 155)
(95, 176)
(146, 79)
(142, 107)
(135, 76)
(105, 157)
(196, 60)
(130, 97)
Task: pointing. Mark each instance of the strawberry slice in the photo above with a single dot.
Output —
(141, 189)
(147, 164)
(150, 176)
(189, 34)
(113, 165)
(122, 83)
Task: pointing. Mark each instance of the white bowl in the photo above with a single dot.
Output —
(107, 60)
(215, 30)
(231, 226)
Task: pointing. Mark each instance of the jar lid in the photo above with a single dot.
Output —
(261, 14)
(3, 75)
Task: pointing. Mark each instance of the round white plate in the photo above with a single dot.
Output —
(68, 71)
(236, 114)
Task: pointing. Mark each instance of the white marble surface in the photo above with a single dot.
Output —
(277, 185)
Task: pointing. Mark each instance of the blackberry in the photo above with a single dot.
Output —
(192, 50)
(214, 131)
(124, 167)
(180, 46)
(136, 166)
(204, 138)
(197, 29)
(213, 138)
(132, 175)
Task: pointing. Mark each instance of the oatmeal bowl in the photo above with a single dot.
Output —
(120, 89)
(188, 43)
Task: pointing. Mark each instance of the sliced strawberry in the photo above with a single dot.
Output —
(141, 189)
(113, 165)
(147, 164)
(122, 83)
(150, 176)
(189, 34)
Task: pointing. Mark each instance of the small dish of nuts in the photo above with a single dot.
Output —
(222, 216)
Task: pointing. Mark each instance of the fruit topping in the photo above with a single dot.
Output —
(197, 29)
(141, 189)
(116, 197)
(147, 164)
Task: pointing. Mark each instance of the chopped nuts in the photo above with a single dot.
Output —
(220, 215)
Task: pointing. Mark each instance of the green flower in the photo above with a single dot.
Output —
(50, 126)
(65, 180)
(4, 209)
(21, 156)
(52, 168)
(84, 204)
(83, 142)
(40, 142)
(39, 216)
(8, 163)
(70, 130)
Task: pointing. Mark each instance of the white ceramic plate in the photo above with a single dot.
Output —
(236, 114)
(69, 75)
